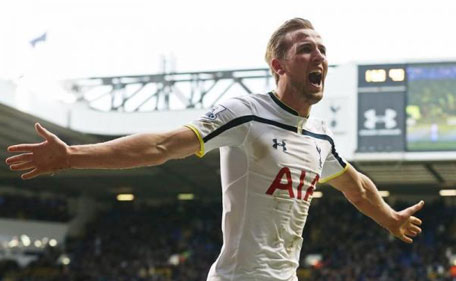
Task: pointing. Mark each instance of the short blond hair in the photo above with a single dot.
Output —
(278, 45)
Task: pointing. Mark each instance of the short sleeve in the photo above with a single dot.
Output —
(334, 164)
(225, 124)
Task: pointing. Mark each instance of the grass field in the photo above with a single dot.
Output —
(420, 137)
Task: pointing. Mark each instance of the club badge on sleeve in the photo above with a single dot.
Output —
(212, 115)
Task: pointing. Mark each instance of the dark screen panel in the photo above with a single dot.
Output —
(381, 122)
(384, 75)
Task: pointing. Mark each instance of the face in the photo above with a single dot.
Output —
(305, 65)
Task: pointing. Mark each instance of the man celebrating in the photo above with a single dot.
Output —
(272, 157)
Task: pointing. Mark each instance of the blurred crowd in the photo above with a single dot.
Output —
(23, 207)
(354, 248)
(179, 242)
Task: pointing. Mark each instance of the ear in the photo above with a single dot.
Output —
(277, 66)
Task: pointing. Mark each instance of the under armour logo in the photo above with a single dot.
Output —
(388, 119)
(276, 144)
(319, 154)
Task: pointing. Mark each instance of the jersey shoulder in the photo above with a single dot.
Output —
(263, 106)
(251, 104)
(239, 106)
(318, 126)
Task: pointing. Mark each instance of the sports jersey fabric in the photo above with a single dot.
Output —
(270, 162)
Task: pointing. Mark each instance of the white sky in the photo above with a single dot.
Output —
(121, 37)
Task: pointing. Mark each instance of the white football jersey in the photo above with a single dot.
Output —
(270, 161)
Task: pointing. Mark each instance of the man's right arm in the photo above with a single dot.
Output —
(147, 149)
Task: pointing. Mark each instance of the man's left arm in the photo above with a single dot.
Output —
(363, 194)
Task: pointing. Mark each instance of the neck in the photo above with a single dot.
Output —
(294, 99)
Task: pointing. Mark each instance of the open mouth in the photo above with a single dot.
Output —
(315, 78)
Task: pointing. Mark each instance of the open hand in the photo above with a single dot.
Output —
(36, 159)
(407, 226)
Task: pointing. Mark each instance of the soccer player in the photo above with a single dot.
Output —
(272, 156)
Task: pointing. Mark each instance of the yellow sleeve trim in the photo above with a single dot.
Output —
(200, 153)
(335, 175)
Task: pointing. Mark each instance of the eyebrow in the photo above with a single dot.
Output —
(299, 44)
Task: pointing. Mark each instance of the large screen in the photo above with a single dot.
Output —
(431, 107)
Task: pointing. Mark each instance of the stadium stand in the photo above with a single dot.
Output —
(23, 207)
(179, 241)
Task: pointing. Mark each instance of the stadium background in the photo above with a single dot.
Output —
(393, 120)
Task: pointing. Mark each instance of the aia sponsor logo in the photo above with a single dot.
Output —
(283, 181)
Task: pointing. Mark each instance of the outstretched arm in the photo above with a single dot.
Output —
(147, 149)
(363, 194)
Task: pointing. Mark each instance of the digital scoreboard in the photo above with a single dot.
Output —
(407, 107)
